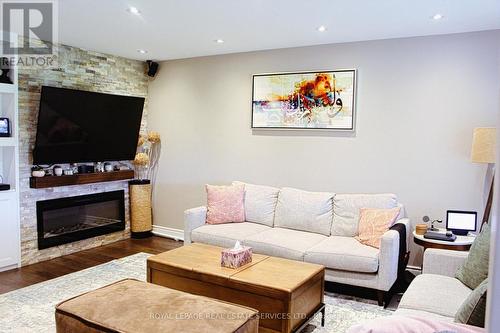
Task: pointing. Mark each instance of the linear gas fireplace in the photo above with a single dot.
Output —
(66, 220)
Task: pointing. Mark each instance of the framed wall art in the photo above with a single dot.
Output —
(304, 100)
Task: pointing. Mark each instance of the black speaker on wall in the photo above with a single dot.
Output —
(152, 68)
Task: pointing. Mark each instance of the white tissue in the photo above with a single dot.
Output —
(237, 246)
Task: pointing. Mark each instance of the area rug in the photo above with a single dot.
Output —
(31, 309)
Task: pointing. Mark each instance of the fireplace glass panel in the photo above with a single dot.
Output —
(70, 219)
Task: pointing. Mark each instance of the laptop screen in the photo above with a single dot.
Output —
(457, 220)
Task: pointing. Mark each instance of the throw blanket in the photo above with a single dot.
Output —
(403, 256)
(412, 324)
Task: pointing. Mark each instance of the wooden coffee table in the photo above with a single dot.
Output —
(287, 293)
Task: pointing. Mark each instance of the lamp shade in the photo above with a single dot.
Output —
(483, 145)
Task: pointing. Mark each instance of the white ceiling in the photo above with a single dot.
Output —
(172, 29)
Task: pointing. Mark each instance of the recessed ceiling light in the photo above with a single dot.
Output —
(437, 17)
(133, 10)
(219, 41)
(142, 51)
(321, 28)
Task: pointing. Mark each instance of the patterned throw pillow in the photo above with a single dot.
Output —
(225, 204)
(373, 223)
(475, 268)
(473, 309)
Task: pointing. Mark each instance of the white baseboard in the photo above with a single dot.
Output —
(173, 233)
(414, 269)
(7, 268)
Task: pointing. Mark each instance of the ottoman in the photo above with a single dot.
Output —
(136, 306)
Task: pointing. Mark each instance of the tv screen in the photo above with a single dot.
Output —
(80, 126)
(461, 220)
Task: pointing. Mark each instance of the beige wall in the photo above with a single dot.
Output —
(418, 101)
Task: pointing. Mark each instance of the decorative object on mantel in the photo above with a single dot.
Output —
(483, 151)
(108, 167)
(80, 179)
(304, 100)
(141, 189)
(99, 167)
(37, 171)
(86, 168)
(121, 167)
(4, 127)
(58, 171)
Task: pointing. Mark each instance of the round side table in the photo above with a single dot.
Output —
(462, 243)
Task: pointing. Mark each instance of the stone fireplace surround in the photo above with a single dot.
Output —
(76, 69)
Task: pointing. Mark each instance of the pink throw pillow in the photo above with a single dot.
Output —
(373, 223)
(225, 204)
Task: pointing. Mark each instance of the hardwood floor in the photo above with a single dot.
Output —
(46, 270)
(50, 269)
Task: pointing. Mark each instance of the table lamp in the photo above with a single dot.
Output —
(483, 151)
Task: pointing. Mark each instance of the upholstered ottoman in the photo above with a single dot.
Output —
(136, 306)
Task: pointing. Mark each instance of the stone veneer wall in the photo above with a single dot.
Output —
(77, 69)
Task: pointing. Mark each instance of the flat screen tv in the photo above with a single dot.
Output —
(77, 126)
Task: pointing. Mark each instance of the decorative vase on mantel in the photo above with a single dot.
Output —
(141, 188)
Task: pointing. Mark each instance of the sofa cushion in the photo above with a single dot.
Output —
(475, 268)
(473, 310)
(284, 243)
(305, 211)
(344, 253)
(260, 203)
(346, 210)
(438, 294)
(225, 235)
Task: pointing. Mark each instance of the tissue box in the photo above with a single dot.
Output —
(236, 258)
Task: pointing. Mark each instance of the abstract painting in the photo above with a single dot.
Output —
(306, 100)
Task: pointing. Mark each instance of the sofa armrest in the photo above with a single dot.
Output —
(443, 262)
(388, 260)
(193, 218)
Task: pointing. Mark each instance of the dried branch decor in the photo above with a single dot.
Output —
(148, 154)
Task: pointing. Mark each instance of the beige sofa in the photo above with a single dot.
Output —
(315, 227)
(436, 293)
